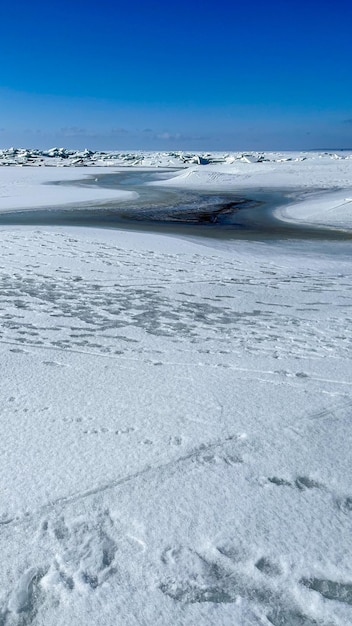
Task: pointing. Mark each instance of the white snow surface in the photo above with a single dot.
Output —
(26, 188)
(176, 417)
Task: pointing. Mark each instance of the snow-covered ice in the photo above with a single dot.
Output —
(24, 188)
(176, 414)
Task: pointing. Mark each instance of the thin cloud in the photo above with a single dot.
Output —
(119, 131)
(73, 131)
(168, 136)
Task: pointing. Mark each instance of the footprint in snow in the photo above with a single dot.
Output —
(332, 590)
(301, 483)
(53, 363)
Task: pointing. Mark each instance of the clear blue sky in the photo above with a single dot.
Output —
(199, 75)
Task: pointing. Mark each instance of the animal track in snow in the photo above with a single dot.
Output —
(332, 590)
(25, 599)
(85, 554)
(103, 430)
(267, 567)
(301, 483)
(222, 575)
(345, 504)
(97, 310)
(212, 459)
(80, 559)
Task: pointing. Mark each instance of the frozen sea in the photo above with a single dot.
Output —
(240, 213)
(176, 409)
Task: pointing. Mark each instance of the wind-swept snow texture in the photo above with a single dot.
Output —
(175, 429)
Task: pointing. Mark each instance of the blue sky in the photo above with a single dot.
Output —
(222, 75)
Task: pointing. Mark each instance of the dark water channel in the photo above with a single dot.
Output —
(238, 214)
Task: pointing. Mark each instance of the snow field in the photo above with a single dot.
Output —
(175, 416)
(176, 431)
(26, 188)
